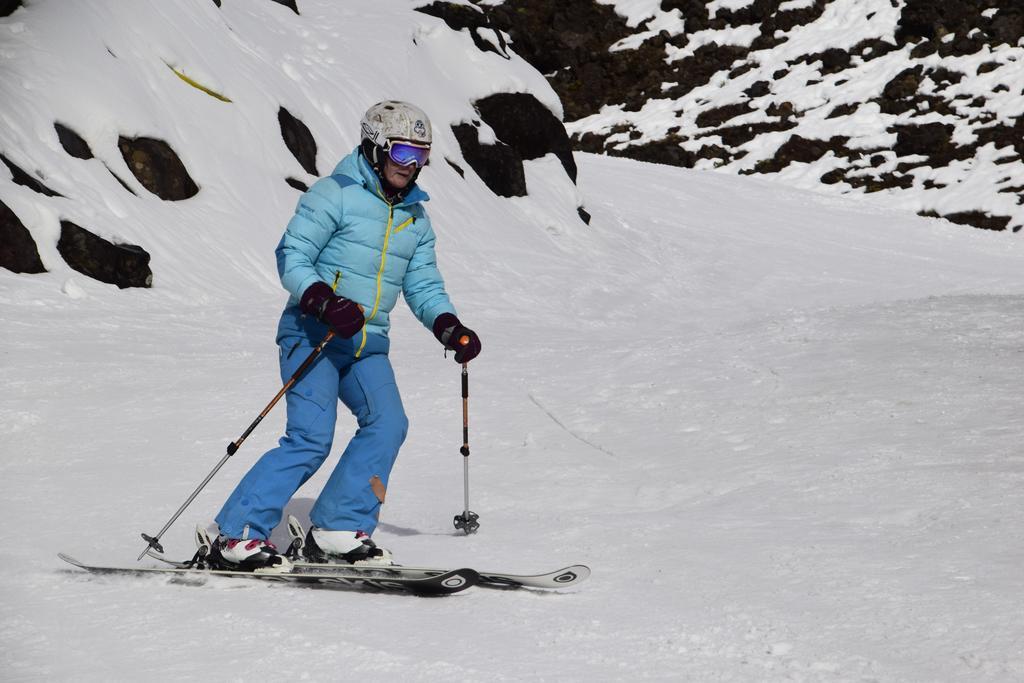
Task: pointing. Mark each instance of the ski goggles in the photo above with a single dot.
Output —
(407, 153)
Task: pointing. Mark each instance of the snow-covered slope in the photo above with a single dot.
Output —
(781, 426)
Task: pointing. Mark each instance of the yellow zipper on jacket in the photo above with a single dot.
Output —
(380, 274)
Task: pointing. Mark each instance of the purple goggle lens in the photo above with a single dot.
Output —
(406, 153)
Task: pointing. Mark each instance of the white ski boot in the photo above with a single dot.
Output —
(343, 547)
(247, 555)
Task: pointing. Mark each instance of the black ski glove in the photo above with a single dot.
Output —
(342, 315)
(457, 337)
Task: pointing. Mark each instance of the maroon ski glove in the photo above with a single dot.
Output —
(342, 315)
(457, 337)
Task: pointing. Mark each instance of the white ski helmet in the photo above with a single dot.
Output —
(394, 120)
(388, 121)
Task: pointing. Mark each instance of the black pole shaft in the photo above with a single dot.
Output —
(465, 435)
(153, 542)
(465, 410)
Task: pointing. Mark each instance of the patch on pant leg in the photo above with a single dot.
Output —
(378, 488)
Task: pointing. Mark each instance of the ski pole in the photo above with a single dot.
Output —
(467, 521)
(153, 542)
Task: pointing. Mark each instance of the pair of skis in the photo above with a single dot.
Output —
(402, 578)
(444, 583)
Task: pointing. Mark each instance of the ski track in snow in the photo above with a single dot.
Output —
(812, 404)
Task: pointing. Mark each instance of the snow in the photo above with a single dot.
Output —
(781, 426)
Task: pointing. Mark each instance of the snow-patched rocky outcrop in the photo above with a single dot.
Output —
(918, 101)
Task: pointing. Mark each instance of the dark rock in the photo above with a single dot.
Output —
(458, 169)
(783, 110)
(734, 136)
(872, 49)
(123, 183)
(977, 219)
(775, 24)
(899, 94)
(944, 77)
(665, 151)
(758, 89)
(842, 110)
(22, 178)
(698, 69)
(124, 265)
(457, 17)
(833, 60)
(716, 116)
(583, 214)
(789, 20)
(522, 122)
(741, 69)
(470, 19)
(18, 250)
(868, 183)
(8, 6)
(930, 20)
(498, 165)
(290, 4)
(929, 139)
(933, 21)
(695, 13)
(718, 152)
(72, 142)
(757, 12)
(904, 84)
(298, 139)
(589, 142)
(1007, 26)
(569, 41)
(297, 184)
(156, 166)
(1003, 135)
(802, 150)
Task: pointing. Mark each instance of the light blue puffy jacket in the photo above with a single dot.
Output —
(346, 234)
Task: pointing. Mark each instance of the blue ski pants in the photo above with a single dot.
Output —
(366, 385)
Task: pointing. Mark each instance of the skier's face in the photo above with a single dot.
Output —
(397, 176)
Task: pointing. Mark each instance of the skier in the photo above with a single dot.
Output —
(358, 238)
